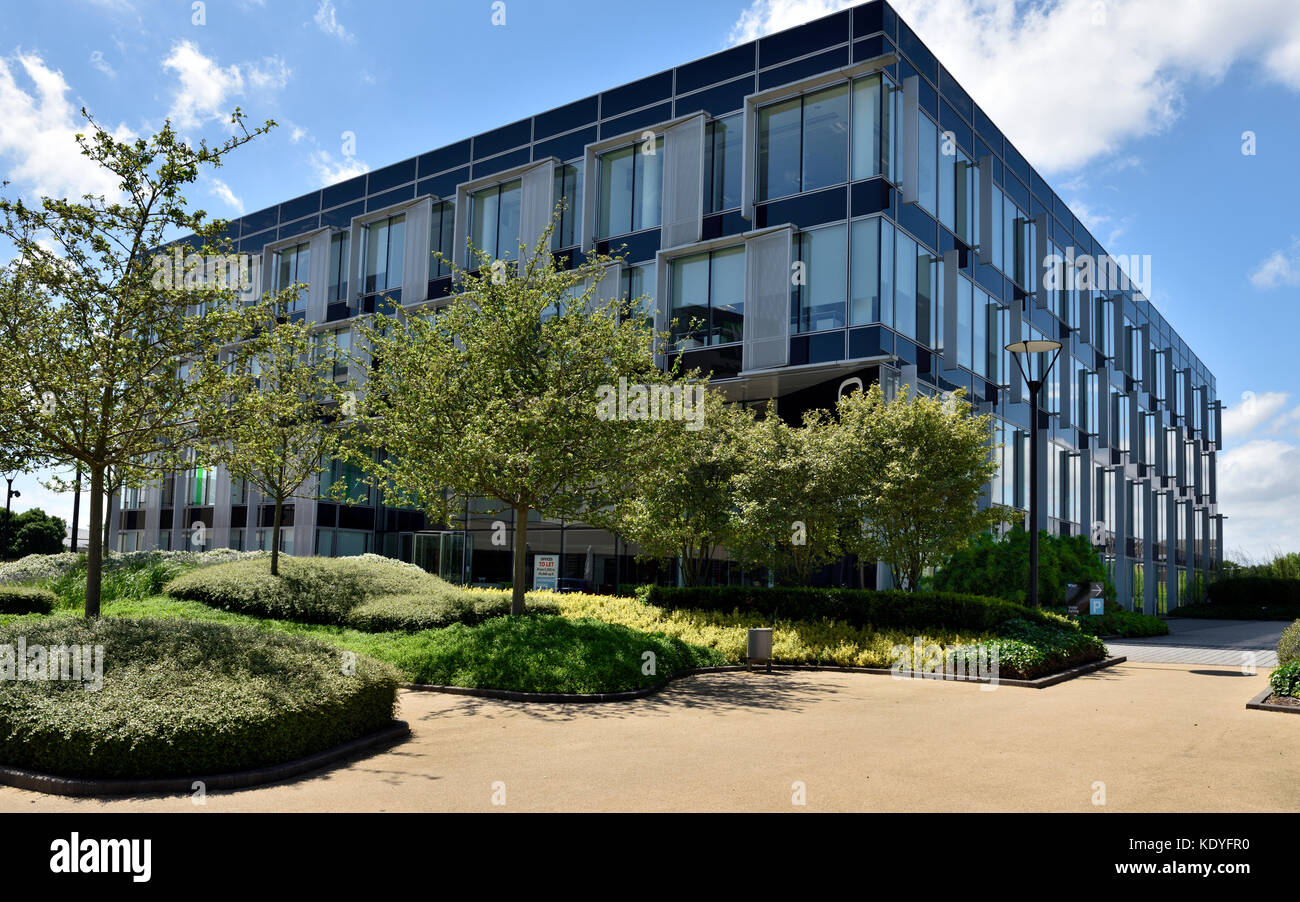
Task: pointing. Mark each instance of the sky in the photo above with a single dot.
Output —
(1171, 127)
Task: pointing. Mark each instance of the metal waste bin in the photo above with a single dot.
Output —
(759, 647)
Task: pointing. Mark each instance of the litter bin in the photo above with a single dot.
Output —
(759, 647)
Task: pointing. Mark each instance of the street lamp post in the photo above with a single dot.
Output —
(10, 495)
(1022, 351)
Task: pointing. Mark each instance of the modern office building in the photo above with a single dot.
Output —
(928, 242)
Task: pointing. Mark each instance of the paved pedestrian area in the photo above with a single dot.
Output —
(1136, 737)
(1229, 643)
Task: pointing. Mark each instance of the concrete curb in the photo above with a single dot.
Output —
(560, 697)
(397, 731)
(1258, 704)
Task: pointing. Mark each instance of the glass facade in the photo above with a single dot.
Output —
(1131, 418)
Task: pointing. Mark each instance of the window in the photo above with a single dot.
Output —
(873, 132)
(264, 538)
(905, 285)
(927, 181)
(993, 335)
(723, 150)
(338, 274)
(383, 248)
(442, 238)
(866, 277)
(996, 215)
(337, 343)
(708, 297)
(631, 186)
(568, 189)
(819, 295)
(293, 265)
(201, 487)
(964, 297)
(638, 286)
(238, 491)
(355, 488)
(803, 143)
(494, 220)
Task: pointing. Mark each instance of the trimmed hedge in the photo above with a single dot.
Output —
(411, 613)
(25, 600)
(187, 698)
(1248, 598)
(308, 590)
(552, 654)
(858, 607)
(1120, 622)
(1288, 647)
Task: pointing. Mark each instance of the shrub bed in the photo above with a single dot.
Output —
(433, 610)
(1028, 650)
(1116, 621)
(185, 698)
(25, 600)
(1286, 680)
(553, 654)
(857, 607)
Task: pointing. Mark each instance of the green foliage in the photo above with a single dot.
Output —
(94, 326)
(282, 413)
(31, 532)
(25, 600)
(1280, 566)
(914, 470)
(1118, 622)
(1288, 647)
(680, 500)
(789, 496)
(1255, 592)
(552, 654)
(859, 607)
(1000, 567)
(498, 394)
(181, 698)
(433, 610)
(1286, 680)
(1027, 650)
(367, 592)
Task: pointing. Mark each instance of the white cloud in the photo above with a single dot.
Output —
(296, 133)
(205, 88)
(330, 170)
(1028, 65)
(38, 125)
(222, 190)
(272, 74)
(1282, 267)
(327, 21)
(97, 60)
(1260, 494)
(1252, 412)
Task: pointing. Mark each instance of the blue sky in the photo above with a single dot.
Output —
(1133, 111)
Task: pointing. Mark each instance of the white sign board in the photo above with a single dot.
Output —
(546, 571)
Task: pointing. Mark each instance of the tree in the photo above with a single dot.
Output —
(498, 394)
(1000, 567)
(791, 510)
(287, 412)
(31, 532)
(105, 347)
(915, 469)
(680, 499)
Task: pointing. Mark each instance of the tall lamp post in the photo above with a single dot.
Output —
(1025, 352)
(10, 495)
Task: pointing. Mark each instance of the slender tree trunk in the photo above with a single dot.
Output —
(275, 536)
(520, 561)
(95, 553)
